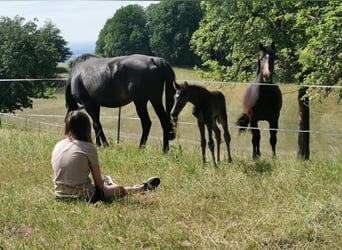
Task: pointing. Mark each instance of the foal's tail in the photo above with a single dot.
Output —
(70, 101)
(242, 122)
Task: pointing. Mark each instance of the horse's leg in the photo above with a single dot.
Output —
(165, 123)
(203, 141)
(141, 107)
(255, 138)
(227, 138)
(218, 140)
(94, 112)
(211, 144)
(273, 135)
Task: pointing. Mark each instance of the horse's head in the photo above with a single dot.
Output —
(181, 97)
(267, 56)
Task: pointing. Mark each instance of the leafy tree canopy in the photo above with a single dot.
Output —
(307, 36)
(52, 34)
(171, 24)
(27, 52)
(125, 33)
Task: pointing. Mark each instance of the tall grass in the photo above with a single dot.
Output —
(267, 204)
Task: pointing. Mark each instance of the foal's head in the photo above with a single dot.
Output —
(267, 56)
(181, 98)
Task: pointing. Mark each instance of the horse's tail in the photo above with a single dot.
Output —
(223, 116)
(242, 122)
(169, 79)
(170, 91)
(70, 101)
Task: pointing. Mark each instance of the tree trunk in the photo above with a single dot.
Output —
(304, 125)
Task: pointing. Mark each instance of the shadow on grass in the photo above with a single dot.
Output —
(257, 167)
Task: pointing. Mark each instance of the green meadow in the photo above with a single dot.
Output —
(270, 203)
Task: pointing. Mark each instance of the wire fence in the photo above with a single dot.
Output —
(28, 118)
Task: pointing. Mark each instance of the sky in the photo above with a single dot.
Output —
(79, 21)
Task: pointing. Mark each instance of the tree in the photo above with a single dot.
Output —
(171, 24)
(233, 30)
(25, 53)
(52, 34)
(209, 41)
(230, 31)
(321, 57)
(125, 33)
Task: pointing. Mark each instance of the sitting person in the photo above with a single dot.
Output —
(75, 157)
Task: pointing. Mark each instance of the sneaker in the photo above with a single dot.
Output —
(106, 179)
(151, 183)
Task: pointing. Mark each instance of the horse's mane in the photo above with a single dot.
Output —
(83, 58)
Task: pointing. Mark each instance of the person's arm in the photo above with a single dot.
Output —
(97, 177)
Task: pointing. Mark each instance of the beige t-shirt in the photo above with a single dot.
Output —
(71, 160)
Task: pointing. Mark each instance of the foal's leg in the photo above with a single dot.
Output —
(273, 135)
(94, 112)
(203, 141)
(218, 140)
(255, 139)
(165, 123)
(227, 139)
(211, 143)
(141, 107)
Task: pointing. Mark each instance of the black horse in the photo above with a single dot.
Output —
(262, 100)
(115, 82)
(209, 108)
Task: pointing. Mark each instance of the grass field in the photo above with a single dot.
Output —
(272, 203)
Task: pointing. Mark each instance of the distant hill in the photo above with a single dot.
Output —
(79, 48)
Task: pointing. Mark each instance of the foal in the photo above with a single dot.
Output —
(209, 108)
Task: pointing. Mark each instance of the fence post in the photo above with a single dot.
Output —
(119, 123)
(304, 124)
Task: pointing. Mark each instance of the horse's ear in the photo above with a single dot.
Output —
(186, 84)
(261, 47)
(176, 85)
(273, 46)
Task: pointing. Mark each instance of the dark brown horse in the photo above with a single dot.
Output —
(209, 108)
(262, 100)
(115, 82)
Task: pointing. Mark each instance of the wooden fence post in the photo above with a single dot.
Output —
(119, 125)
(304, 125)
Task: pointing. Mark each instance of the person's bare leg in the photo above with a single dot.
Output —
(119, 191)
(114, 190)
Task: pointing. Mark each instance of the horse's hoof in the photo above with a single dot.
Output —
(256, 156)
(172, 135)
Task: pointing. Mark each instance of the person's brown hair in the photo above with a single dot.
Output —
(77, 125)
